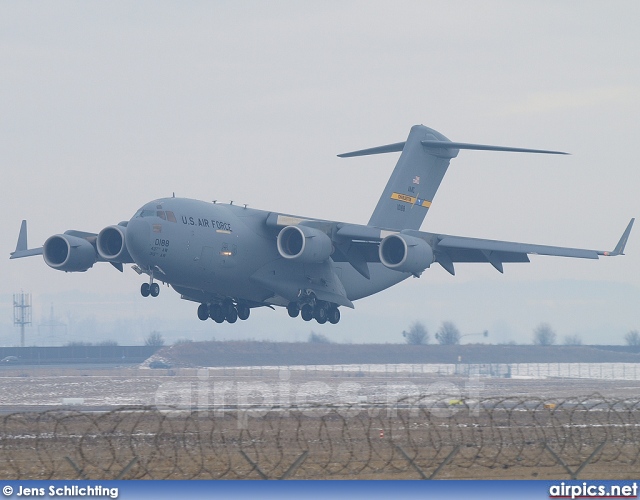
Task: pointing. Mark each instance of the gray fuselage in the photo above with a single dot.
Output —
(208, 251)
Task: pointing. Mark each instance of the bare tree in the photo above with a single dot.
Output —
(417, 334)
(318, 338)
(154, 339)
(448, 334)
(632, 338)
(544, 335)
(572, 340)
(107, 343)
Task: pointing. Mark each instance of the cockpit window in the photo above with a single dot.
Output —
(168, 216)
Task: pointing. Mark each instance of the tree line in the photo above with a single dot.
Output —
(543, 335)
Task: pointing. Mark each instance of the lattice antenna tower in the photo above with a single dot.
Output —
(21, 312)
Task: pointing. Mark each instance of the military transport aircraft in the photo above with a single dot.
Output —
(229, 258)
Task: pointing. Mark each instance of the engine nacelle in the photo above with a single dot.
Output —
(112, 245)
(304, 244)
(405, 253)
(69, 253)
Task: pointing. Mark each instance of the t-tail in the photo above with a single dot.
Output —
(416, 178)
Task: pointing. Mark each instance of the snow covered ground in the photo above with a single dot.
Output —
(308, 385)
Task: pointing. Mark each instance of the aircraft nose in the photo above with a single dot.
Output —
(138, 239)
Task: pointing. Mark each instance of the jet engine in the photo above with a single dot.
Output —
(69, 253)
(112, 246)
(405, 253)
(304, 244)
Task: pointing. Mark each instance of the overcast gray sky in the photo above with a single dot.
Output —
(107, 105)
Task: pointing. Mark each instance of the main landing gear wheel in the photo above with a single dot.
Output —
(293, 309)
(333, 315)
(307, 312)
(216, 313)
(232, 315)
(203, 312)
(243, 311)
(320, 313)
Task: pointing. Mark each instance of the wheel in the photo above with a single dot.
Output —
(154, 289)
(320, 313)
(145, 289)
(306, 312)
(243, 312)
(227, 307)
(232, 315)
(333, 315)
(203, 312)
(293, 309)
(216, 313)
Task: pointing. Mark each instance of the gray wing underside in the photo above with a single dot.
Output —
(358, 245)
(449, 250)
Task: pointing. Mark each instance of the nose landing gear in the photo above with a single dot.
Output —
(152, 289)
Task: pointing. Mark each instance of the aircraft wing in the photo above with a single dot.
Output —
(359, 245)
(450, 249)
(23, 250)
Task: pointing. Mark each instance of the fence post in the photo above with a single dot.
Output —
(127, 468)
(77, 469)
(574, 475)
(453, 453)
(254, 465)
(438, 469)
(294, 466)
(412, 463)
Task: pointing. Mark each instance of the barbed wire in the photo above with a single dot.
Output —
(413, 437)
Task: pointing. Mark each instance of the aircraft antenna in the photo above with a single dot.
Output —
(21, 312)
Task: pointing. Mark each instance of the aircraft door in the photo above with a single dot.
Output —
(206, 263)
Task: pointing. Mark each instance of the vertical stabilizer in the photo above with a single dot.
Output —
(413, 184)
(414, 181)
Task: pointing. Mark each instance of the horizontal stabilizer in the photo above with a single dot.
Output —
(389, 148)
(484, 147)
(398, 146)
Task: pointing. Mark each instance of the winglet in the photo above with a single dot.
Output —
(22, 238)
(22, 250)
(619, 250)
